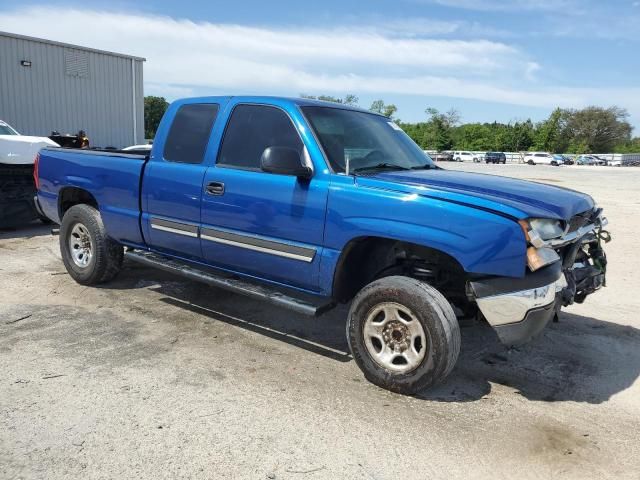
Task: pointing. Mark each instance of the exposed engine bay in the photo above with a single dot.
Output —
(584, 262)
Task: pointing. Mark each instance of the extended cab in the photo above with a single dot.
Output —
(305, 204)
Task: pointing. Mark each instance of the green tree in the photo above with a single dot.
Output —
(632, 146)
(474, 136)
(550, 135)
(379, 106)
(350, 99)
(520, 136)
(154, 108)
(416, 131)
(597, 129)
(437, 134)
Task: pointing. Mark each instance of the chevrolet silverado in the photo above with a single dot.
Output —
(306, 204)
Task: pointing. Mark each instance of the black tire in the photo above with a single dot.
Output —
(107, 255)
(531, 162)
(430, 309)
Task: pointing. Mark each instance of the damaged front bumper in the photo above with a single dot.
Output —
(519, 309)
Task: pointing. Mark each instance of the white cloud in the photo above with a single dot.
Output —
(185, 57)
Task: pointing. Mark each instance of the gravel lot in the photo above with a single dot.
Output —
(155, 377)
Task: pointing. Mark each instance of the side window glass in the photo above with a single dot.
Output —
(189, 133)
(252, 129)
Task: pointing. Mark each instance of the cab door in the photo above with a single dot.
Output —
(172, 183)
(262, 224)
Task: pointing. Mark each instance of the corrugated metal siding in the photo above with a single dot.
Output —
(68, 89)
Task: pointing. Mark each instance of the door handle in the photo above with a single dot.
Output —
(215, 188)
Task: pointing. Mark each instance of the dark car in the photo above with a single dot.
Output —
(562, 159)
(495, 157)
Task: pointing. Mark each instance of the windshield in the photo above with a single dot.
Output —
(7, 130)
(365, 140)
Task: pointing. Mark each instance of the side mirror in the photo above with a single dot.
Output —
(284, 161)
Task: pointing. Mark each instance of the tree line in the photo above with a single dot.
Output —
(587, 130)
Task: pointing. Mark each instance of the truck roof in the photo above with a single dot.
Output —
(275, 100)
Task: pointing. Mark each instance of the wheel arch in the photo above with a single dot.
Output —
(367, 258)
(70, 196)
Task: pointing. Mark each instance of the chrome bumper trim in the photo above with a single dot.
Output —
(512, 307)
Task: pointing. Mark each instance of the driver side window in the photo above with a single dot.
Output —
(252, 129)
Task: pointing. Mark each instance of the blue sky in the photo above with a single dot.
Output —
(491, 60)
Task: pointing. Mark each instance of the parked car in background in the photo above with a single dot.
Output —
(615, 163)
(540, 158)
(563, 158)
(17, 153)
(590, 160)
(442, 156)
(462, 156)
(601, 161)
(495, 157)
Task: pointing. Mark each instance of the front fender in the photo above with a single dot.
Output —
(482, 242)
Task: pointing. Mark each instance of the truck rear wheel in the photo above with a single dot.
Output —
(403, 334)
(89, 255)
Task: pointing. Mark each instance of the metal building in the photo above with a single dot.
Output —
(47, 85)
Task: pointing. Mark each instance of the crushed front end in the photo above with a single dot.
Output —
(566, 263)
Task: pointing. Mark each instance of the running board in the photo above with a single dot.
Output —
(231, 283)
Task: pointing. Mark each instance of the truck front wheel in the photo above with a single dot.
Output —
(89, 255)
(403, 334)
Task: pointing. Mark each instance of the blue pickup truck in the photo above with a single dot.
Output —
(307, 204)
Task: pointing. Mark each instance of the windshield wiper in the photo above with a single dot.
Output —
(426, 166)
(379, 166)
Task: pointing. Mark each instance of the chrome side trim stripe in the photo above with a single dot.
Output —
(295, 252)
(305, 254)
(174, 227)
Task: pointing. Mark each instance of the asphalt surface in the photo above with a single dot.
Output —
(153, 377)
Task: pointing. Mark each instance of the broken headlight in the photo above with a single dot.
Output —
(546, 228)
(537, 231)
(541, 257)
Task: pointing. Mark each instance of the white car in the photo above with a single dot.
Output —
(17, 155)
(541, 158)
(16, 149)
(465, 157)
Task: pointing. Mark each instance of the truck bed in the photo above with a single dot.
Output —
(113, 177)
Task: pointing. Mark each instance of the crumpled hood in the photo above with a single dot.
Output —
(516, 198)
(22, 149)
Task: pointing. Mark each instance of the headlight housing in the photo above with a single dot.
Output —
(547, 228)
(537, 231)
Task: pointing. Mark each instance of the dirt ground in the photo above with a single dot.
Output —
(155, 377)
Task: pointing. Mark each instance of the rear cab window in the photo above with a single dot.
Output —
(189, 133)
